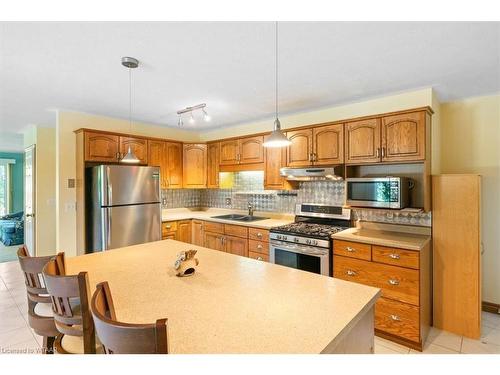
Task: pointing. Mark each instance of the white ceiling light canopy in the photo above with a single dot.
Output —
(190, 110)
(277, 137)
(130, 63)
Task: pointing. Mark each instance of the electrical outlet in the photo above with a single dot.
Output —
(164, 201)
(228, 201)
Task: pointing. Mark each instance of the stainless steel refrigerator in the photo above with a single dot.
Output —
(123, 206)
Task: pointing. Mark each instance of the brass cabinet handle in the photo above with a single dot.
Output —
(168, 226)
(259, 235)
(395, 318)
(315, 156)
(259, 258)
(259, 246)
(311, 157)
(383, 151)
(394, 256)
(378, 152)
(351, 273)
(393, 282)
(350, 249)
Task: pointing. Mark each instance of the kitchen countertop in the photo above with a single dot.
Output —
(232, 304)
(400, 236)
(206, 214)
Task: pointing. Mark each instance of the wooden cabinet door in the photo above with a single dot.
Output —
(101, 147)
(251, 150)
(214, 241)
(173, 151)
(197, 233)
(403, 137)
(229, 152)
(362, 141)
(275, 158)
(299, 153)
(139, 147)
(157, 158)
(328, 144)
(184, 231)
(236, 245)
(195, 166)
(213, 165)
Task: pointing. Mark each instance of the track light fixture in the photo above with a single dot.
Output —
(190, 110)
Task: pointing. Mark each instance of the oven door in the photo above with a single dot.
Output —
(306, 258)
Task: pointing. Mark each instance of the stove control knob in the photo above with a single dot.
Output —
(314, 242)
(296, 239)
(308, 242)
(285, 238)
(278, 236)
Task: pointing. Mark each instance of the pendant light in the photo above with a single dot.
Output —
(130, 63)
(277, 138)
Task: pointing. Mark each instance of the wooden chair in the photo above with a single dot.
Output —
(40, 315)
(70, 295)
(124, 338)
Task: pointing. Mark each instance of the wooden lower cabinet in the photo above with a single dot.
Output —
(169, 230)
(258, 256)
(184, 231)
(214, 241)
(198, 232)
(236, 245)
(403, 312)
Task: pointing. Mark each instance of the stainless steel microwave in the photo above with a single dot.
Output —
(379, 192)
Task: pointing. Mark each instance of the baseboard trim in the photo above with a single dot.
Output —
(491, 307)
(399, 340)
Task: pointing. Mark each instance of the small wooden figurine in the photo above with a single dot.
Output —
(186, 263)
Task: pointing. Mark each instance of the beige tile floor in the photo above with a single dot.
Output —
(16, 336)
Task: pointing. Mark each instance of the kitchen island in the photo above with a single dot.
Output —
(233, 304)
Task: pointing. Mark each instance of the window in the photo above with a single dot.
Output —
(5, 185)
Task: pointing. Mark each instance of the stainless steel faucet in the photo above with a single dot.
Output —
(250, 209)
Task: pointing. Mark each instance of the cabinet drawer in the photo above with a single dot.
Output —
(168, 226)
(258, 256)
(258, 234)
(352, 249)
(258, 247)
(396, 257)
(401, 284)
(398, 318)
(214, 227)
(236, 230)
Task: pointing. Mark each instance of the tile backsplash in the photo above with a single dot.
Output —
(249, 187)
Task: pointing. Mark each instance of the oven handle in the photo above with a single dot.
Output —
(308, 250)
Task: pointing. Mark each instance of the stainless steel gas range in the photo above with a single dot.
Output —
(306, 244)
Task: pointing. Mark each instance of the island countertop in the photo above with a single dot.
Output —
(232, 304)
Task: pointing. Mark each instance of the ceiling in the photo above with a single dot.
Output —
(230, 66)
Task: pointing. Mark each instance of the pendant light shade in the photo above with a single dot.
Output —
(277, 137)
(130, 63)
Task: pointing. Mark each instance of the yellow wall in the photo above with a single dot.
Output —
(470, 143)
(67, 123)
(45, 191)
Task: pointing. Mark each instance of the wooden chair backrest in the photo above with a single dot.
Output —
(124, 338)
(67, 292)
(32, 268)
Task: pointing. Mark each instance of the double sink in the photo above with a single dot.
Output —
(243, 218)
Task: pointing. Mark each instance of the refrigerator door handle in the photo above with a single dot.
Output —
(106, 228)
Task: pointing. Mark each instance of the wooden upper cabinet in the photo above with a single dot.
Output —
(195, 165)
(403, 137)
(139, 147)
(229, 152)
(299, 153)
(275, 158)
(251, 150)
(173, 151)
(328, 144)
(101, 147)
(157, 158)
(213, 165)
(246, 150)
(362, 141)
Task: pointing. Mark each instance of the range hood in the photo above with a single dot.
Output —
(332, 173)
